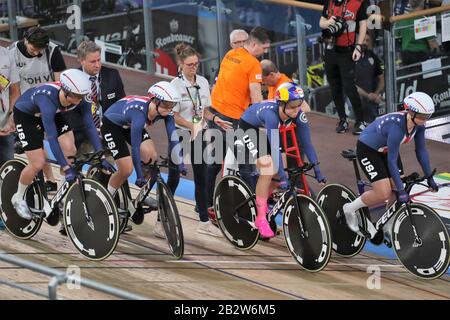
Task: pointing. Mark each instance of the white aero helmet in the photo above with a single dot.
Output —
(75, 81)
(164, 91)
(419, 102)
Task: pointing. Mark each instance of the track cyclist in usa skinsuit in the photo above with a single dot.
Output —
(124, 124)
(269, 115)
(40, 109)
(378, 154)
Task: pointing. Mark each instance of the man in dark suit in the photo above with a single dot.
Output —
(106, 86)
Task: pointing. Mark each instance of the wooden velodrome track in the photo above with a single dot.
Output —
(212, 268)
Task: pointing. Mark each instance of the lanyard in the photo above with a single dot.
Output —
(196, 103)
(3, 105)
(344, 9)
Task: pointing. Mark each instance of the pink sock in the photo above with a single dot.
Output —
(261, 207)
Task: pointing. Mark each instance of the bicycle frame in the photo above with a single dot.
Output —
(284, 197)
(135, 204)
(230, 165)
(145, 190)
(389, 212)
(50, 205)
(293, 152)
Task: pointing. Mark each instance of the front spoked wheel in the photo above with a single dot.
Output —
(170, 219)
(310, 246)
(94, 235)
(331, 199)
(427, 257)
(237, 224)
(9, 180)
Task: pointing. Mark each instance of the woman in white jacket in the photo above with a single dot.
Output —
(195, 96)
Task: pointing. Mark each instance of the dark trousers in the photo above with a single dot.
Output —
(199, 171)
(6, 148)
(370, 109)
(340, 71)
(247, 171)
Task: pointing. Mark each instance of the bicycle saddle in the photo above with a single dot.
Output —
(348, 154)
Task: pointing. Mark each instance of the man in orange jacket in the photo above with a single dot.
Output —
(273, 78)
(238, 85)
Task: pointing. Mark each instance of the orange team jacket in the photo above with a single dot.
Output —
(283, 79)
(231, 94)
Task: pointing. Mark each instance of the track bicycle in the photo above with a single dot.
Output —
(305, 226)
(419, 237)
(88, 211)
(135, 209)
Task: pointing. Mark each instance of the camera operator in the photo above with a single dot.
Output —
(342, 49)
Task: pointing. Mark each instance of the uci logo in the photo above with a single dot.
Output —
(369, 168)
(88, 98)
(303, 117)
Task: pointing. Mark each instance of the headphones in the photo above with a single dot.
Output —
(42, 39)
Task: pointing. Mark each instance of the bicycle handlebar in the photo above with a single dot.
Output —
(299, 170)
(87, 158)
(164, 163)
(414, 178)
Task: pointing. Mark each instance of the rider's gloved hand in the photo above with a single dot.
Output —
(70, 174)
(107, 166)
(432, 184)
(284, 185)
(182, 168)
(402, 196)
(319, 177)
(140, 182)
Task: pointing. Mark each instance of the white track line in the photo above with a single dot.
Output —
(282, 262)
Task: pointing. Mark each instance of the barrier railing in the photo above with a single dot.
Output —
(58, 278)
(428, 73)
(298, 4)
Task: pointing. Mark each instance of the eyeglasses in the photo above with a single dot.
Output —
(167, 105)
(422, 116)
(238, 42)
(75, 96)
(191, 65)
(294, 104)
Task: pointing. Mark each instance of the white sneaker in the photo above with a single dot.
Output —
(351, 218)
(209, 229)
(21, 207)
(158, 230)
